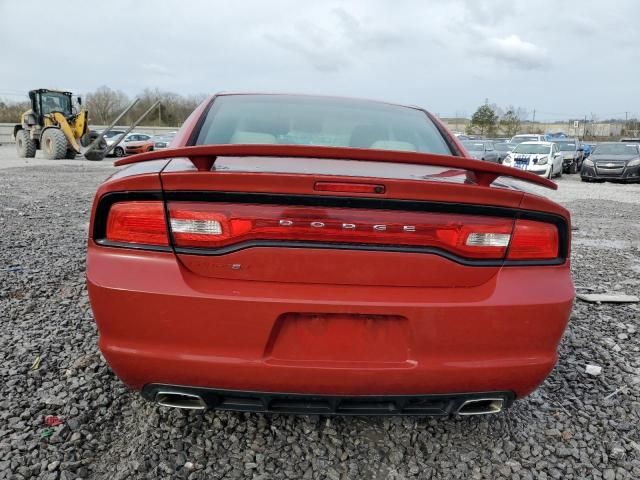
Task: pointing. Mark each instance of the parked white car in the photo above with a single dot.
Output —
(541, 158)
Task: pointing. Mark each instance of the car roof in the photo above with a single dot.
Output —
(320, 97)
(548, 144)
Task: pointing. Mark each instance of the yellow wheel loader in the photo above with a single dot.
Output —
(56, 127)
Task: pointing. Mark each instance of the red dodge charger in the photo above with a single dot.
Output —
(303, 254)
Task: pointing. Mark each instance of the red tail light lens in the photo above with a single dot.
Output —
(534, 241)
(137, 222)
(348, 187)
(217, 225)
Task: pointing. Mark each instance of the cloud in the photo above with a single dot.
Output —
(361, 38)
(336, 46)
(312, 47)
(585, 25)
(515, 52)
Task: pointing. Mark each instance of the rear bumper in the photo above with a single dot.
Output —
(269, 402)
(161, 324)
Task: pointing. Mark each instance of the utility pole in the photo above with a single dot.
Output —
(626, 122)
(533, 121)
(584, 128)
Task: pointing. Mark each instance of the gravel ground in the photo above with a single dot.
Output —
(568, 429)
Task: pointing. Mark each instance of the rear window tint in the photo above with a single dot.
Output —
(307, 120)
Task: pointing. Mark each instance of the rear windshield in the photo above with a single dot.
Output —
(301, 120)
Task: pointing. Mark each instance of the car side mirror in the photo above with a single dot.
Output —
(80, 100)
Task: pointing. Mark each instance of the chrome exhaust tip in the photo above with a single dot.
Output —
(481, 406)
(187, 401)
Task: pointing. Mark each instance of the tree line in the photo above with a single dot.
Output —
(105, 104)
(11, 111)
(491, 121)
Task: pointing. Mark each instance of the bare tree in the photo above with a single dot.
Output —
(11, 112)
(104, 104)
(497, 109)
(510, 123)
(511, 120)
(172, 112)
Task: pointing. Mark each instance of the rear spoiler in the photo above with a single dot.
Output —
(203, 158)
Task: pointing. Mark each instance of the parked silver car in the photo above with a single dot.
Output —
(482, 150)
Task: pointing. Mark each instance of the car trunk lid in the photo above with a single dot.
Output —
(261, 217)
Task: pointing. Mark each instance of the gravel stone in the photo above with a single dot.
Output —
(566, 429)
(594, 370)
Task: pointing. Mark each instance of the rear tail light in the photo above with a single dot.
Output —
(488, 239)
(138, 223)
(534, 240)
(219, 225)
(213, 226)
(184, 226)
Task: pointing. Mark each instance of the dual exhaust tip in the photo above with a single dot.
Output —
(191, 401)
(186, 401)
(481, 406)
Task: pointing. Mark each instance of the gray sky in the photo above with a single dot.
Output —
(564, 58)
